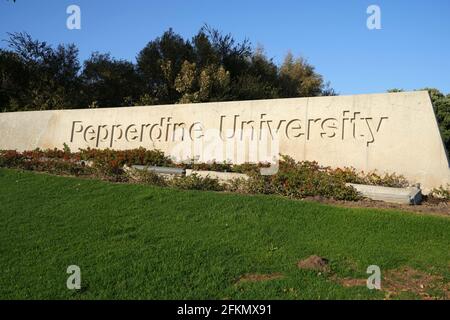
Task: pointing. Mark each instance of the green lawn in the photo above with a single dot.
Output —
(141, 242)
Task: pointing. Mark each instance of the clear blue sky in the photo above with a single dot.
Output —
(412, 50)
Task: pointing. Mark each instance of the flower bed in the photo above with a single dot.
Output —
(293, 179)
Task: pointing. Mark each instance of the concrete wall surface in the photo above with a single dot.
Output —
(391, 132)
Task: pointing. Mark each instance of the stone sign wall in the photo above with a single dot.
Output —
(395, 132)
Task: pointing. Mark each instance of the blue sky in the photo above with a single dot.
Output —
(410, 51)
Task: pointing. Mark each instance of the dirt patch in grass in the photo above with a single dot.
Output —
(257, 277)
(406, 280)
(422, 284)
(350, 282)
(315, 263)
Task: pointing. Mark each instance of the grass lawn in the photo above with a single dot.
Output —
(142, 242)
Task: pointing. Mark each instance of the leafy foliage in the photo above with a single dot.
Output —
(195, 182)
(170, 69)
(146, 177)
(109, 82)
(138, 156)
(298, 79)
(441, 105)
(441, 193)
(293, 179)
(298, 180)
(35, 76)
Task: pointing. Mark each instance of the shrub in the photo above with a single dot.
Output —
(130, 157)
(258, 184)
(109, 163)
(306, 179)
(50, 161)
(293, 179)
(350, 175)
(195, 182)
(62, 168)
(238, 185)
(146, 177)
(10, 158)
(296, 180)
(225, 167)
(211, 166)
(249, 168)
(441, 193)
(110, 170)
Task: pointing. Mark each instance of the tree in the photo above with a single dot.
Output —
(260, 81)
(211, 66)
(13, 81)
(108, 82)
(51, 75)
(211, 83)
(441, 104)
(395, 90)
(232, 55)
(160, 62)
(298, 79)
